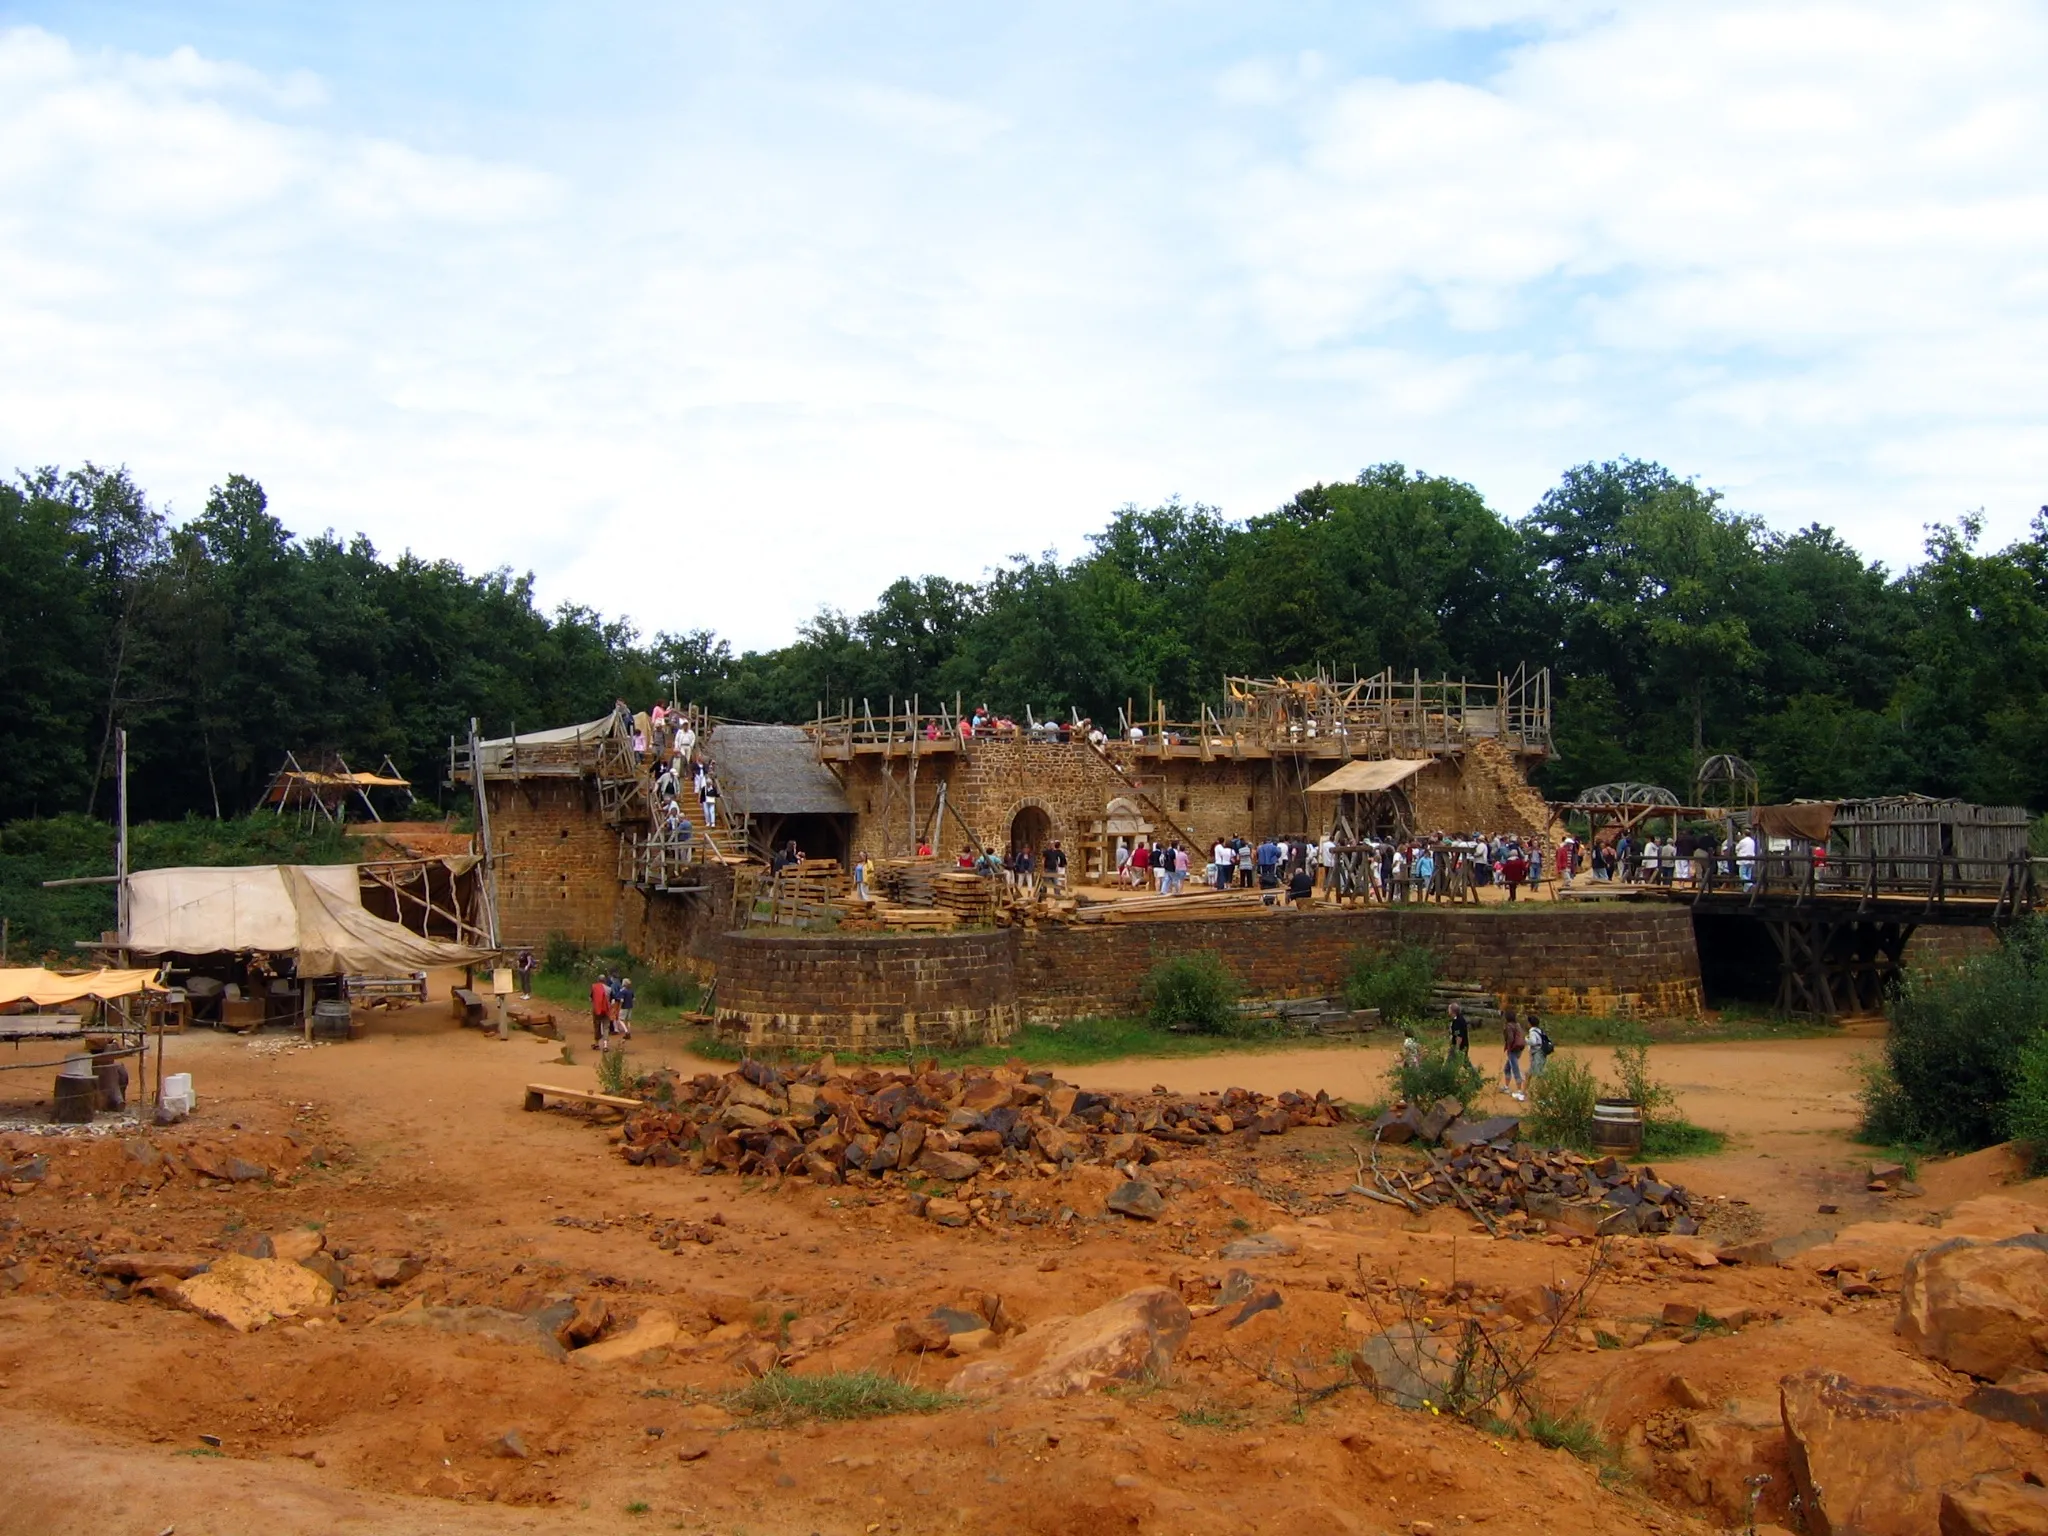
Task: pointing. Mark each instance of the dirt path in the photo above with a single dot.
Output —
(411, 1145)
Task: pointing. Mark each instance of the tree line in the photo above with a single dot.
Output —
(1675, 626)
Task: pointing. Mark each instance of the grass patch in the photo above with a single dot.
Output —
(1571, 1432)
(780, 1398)
(1681, 1138)
(1731, 1023)
(1083, 1042)
(1209, 1416)
(638, 1507)
(199, 1450)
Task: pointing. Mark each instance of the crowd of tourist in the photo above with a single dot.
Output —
(665, 741)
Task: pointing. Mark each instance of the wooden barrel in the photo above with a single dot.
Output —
(1618, 1127)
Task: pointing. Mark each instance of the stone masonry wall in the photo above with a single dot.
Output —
(559, 865)
(819, 992)
(824, 992)
(1637, 961)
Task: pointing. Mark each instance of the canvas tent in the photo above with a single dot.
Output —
(314, 911)
(49, 989)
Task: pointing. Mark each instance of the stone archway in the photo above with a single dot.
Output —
(1030, 826)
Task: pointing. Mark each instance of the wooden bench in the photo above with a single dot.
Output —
(537, 1095)
(468, 1006)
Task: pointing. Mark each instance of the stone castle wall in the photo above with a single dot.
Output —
(820, 992)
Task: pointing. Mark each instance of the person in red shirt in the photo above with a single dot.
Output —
(600, 1010)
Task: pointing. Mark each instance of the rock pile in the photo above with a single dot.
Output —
(836, 1127)
(1501, 1179)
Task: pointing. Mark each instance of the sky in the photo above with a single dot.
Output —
(714, 315)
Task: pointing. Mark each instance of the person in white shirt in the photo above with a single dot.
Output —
(1326, 856)
(1745, 859)
(1222, 863)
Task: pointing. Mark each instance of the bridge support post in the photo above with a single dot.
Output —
(1832, 966)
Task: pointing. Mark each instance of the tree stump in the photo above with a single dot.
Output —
(76, 1098)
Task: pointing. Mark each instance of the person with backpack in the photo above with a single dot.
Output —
(622, 1010)
(1512, 1040)
(1539, 1045)
(1461, 1032)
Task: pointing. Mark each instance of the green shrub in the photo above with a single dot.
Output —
(1423, 1082)
(1396, 980)
(1561, 1099)
(612, 1076)
(1195, 992)
(2026, 1112)
(1952, 1056)
(1657, 1102)
(562, 957)
(1888, 1117)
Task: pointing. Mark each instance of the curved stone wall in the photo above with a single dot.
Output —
(823, 992)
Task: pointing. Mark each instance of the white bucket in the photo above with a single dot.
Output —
(76, 1066)
(178, 1095)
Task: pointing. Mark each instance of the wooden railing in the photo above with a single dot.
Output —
(2008, 885)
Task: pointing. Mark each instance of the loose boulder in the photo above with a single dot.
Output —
(247, 1293)
(1132, 1337)
(1872, 1461)
(1137, 1199)
(1979, 1307)
(1994, 1506)
(655, 1329)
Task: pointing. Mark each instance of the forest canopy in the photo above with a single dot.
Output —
(1674, 624)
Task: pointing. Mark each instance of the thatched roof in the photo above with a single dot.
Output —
(773, 770)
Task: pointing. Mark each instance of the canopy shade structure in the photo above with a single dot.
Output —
(566, 748)
(312, 910)
(47, 989)
(1811, 820)
(1367, 778)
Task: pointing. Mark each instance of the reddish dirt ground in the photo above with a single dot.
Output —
(412, 1143)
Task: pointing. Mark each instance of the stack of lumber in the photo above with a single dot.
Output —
(857, 916)
(907, 882)
(1189, 904)
(808, 889)
(971, 898)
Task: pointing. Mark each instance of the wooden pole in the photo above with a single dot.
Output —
(121, 845)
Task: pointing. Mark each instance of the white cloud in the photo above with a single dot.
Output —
(805, 326)
(1838, 204)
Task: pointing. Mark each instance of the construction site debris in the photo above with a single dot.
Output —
(1504, 1182)
(835, 1127)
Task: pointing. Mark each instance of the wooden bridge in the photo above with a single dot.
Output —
(1837, 926)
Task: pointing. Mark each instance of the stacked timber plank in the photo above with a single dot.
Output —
(808, 890)
(970, 898)
(907, 882)
(1189, 904)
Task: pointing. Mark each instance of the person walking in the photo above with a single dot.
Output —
(1326, 857)
(1514, 869)
(1539, 1044)
(600, 1011)
(526, 973)
(1512, 1040)
(1461, 1032)
(622, 1010)
(1745, 859)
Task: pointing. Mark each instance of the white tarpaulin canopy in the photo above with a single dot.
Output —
(312, 910)
(496, 752)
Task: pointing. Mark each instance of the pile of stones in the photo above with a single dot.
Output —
(1488, 1169)
(836, 1126)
